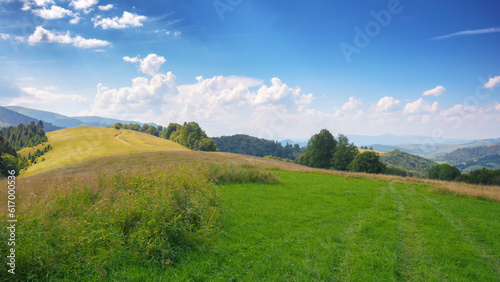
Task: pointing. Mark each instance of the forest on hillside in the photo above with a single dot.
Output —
(485, 161)
(248, 145)
(24, 136)
(416, 164)
(464, 155)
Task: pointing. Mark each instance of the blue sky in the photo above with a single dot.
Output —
(271, 69)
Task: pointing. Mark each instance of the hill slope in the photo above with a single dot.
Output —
(77, 144)
(464, 155)
(408, 161)
(13, 118)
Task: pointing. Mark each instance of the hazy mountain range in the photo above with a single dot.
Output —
(63, 121)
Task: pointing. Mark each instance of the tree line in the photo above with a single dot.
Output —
(325, 151)
(190, 134)
(481, 176)
(253, 146)
(13, 139)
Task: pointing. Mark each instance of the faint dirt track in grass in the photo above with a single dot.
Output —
(123, 141)
(484, 251)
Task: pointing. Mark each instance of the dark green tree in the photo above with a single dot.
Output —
(444, 172)
(172, 127)
(153, 131)
(344, 154)
(320, 149)
(367, 162)
(8, 163)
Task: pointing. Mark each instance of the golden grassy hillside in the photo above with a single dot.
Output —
(78, 144)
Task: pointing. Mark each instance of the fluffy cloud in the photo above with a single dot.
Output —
(106, 7)
(83, 4)
(126, 20)
(278, 92)
(144, 98)
(55, 12)
(419, 106)
(224, 102)
(497, 107)
(435, 92)
(34, 96)
(457, 110)
(5, 36)
(304, 101)
(352, 104)
(149, 65)
(27, 4)
(386, 104)
(42, 35)
(492, 82)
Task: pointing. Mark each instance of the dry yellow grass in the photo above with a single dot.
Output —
(74, 145)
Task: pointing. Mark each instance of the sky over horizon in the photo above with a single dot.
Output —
(271, 69)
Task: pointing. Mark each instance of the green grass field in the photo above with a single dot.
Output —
(322, 227)
(151, 210)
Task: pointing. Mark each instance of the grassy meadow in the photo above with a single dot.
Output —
(98, 208)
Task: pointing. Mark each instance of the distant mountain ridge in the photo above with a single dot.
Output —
(14, 118)
(63, 121)
(393, 140)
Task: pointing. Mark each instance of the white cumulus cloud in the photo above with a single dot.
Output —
(125, 21)
(34, 96)
(419, 106)
(56, 12)
(352, 104)
(83, 4)
(435, 91)
(42, 35)
(386, 104)
(221, 102)
(278, 91)
(492, 82)
(149, 65)
(106, 7)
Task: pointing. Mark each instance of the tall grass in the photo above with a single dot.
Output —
(94, 222)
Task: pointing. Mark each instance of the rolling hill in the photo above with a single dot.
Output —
(415, 164)
(467, 155)
(78, 144)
